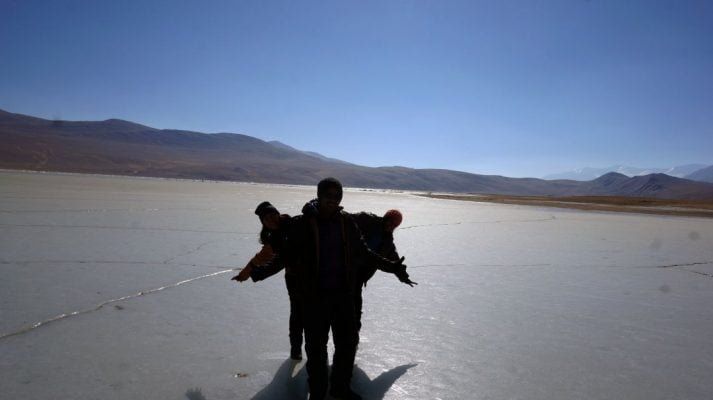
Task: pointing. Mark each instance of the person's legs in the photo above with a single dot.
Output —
(316, 320)
(346, 338)
(357, 308)
(296, 319)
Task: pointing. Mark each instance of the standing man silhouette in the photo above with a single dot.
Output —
(325, 248)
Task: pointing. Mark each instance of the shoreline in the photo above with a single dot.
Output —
(636, 205)
(621, 204)
(197, 180)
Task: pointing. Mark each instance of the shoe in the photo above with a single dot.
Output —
(344, 394)
(296, 354)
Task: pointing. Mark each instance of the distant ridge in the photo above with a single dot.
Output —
(588, 173)
(281, 145)
(125, 148)
(702, 175)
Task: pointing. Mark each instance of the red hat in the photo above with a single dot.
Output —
(394, 215)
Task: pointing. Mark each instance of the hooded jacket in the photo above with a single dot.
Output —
(268, 261)
(302, 251)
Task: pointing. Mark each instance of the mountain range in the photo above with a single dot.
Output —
(702, 175)
(587, 173)
(125, 148)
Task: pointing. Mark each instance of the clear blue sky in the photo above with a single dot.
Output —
(518, 88)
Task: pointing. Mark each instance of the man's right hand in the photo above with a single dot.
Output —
(403, 276)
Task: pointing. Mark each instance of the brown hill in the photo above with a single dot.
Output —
(126, 148)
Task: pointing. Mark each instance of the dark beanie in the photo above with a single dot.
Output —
(326, 184)
(264, 208)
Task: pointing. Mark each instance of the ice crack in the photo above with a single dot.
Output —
(680, 267)
(189, 252)
(124, 228)
(101, 305)
(26, 262)
(551, 218)
(479, 265)
(101, 210)
(685, 265)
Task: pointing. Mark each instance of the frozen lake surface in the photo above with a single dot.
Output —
(513, 302)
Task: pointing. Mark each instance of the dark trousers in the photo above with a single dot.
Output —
(327, 311)
(357, 308)
(296, 318)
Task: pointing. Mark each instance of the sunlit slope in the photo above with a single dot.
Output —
(124, 148)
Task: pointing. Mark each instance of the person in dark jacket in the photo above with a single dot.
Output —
(325, 247)
(378, 233)
(273, 237)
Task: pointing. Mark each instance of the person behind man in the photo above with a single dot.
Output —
(325, 248)
(378, 233)
(273, 238)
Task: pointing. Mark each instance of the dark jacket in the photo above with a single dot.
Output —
(377, 238)
(278, 241)
(302, 251)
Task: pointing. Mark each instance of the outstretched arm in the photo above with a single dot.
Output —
(265, 271)
(396, 267)
(262, 257)
(402, 274)
(389, 251)
(280, 260)
(244, 273)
